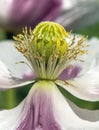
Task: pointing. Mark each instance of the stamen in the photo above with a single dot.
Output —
(23, 62)
(47, 50)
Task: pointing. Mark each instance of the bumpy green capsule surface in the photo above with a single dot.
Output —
(50, 37)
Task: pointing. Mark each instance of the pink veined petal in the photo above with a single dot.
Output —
(38, 113)
(20, 13)
(7, 81)
(35, 113)
(45, 108)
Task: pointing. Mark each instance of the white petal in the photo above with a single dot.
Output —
(14, 84)
(68, 4)
(66, 114)
(5, 7)
(87, 83)
(8, 81)
(86, 86)
(71, 117)
(9, 55)
(90, 58)
(9, 118)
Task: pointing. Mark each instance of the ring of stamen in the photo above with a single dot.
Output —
(47, 50)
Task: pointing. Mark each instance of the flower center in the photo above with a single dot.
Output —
(50, 39)
(47, 50)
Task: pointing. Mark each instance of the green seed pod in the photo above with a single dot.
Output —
(49, 38)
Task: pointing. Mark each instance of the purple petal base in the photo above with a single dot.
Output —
(38, 112)
(70, 72)
(28, 75)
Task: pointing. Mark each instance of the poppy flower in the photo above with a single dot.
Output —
(59, 66)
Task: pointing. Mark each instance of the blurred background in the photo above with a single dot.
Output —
(80, 16)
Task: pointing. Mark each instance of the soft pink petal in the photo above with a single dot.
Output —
(15, 14)
(45, 108)
(34, 113)
(38, 113)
